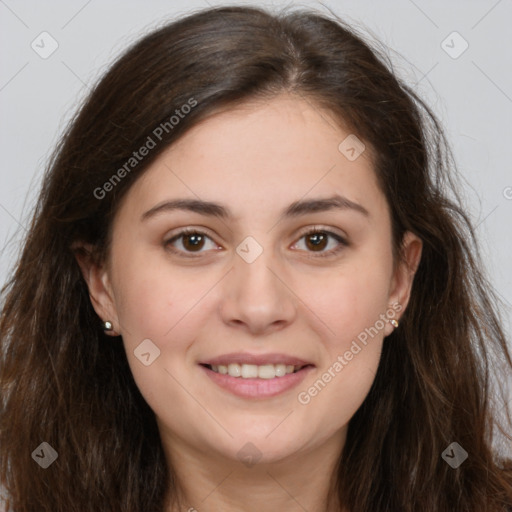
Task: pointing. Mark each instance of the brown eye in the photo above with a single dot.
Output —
(193, 242)
(317, 241)
(189, 242)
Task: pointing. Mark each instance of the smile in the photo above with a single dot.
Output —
(252, 371)
(252, 381)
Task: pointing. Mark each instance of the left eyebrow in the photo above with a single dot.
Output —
(296, 209)
(335, 202)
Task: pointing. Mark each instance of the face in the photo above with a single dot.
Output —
(289, 264)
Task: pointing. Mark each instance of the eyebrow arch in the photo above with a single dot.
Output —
(296, 209)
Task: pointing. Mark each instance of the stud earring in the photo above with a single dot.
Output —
(394, 323)
(107, 326)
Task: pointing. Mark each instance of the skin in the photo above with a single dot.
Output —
(256, 160)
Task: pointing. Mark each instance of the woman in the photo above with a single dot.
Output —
(245, 273)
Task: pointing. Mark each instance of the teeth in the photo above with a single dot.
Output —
(235, 370)
(249, 371)
(252, 371)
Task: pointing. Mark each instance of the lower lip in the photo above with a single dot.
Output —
(258, 388)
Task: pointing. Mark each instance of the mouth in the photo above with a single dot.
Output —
(253, 371)
(257, 381)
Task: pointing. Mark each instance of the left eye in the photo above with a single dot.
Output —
(316, 241)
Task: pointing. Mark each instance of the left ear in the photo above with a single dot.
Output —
(403, 276)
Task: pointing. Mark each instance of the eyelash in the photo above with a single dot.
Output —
(324, 254)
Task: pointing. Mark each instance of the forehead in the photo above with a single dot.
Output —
(259, 155)
(286, 126)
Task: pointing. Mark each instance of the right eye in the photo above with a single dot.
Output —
(190, 240)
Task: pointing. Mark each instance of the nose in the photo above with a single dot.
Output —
(256, 297)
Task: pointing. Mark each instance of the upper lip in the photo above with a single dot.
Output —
(256, 359)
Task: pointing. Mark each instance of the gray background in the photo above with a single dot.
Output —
(471, 94)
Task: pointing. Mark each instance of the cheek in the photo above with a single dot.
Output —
(352, 298)
(161, 307)
(145, 307)
(353, 305)
(153, 298)
(352, 356)
(340, 388)
(167, 306)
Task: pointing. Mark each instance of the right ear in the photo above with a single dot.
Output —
(98, 282)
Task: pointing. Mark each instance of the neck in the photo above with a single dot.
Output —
(206, 482)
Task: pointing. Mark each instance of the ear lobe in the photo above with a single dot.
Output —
(406, 267)
(98, 283)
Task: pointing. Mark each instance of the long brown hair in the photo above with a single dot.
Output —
(64, 382)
